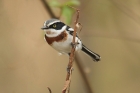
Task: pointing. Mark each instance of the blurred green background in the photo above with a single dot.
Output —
(28, 64)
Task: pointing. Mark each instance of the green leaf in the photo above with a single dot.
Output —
(67, 13)
(54, 3)
(72, 3)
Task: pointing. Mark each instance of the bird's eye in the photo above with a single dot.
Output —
(54, 26)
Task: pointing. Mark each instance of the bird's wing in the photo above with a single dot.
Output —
(71, 30)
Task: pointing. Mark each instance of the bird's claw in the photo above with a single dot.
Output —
(70, 69)
(74, 44)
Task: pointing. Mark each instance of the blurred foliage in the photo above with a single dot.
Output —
(66, 11)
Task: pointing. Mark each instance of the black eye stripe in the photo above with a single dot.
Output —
(59, 25)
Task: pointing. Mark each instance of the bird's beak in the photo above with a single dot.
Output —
(44, 28)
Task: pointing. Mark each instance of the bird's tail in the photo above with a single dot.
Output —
(93, 55)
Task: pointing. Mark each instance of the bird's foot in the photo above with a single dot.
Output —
(74, 44)
(70, 69)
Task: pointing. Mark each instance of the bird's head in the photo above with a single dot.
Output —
(53, 27)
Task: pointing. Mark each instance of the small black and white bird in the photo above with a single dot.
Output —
(60, 36)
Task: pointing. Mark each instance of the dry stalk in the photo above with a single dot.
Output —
(49, 90)
(71, 58)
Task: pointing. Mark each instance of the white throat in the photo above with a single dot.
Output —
(53, 32)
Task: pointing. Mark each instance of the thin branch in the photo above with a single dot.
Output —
(49, 10)
(49, 90)
(71, 58)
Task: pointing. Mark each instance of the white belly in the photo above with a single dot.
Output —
(64, 47)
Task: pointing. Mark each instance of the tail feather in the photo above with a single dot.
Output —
(93, 55)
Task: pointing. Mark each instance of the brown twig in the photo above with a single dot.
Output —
(71, 58)
(49, 90)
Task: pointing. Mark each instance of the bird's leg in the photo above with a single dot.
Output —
(69, 69)
(74, 44)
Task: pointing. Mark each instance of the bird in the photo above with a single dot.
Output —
(60, 36)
